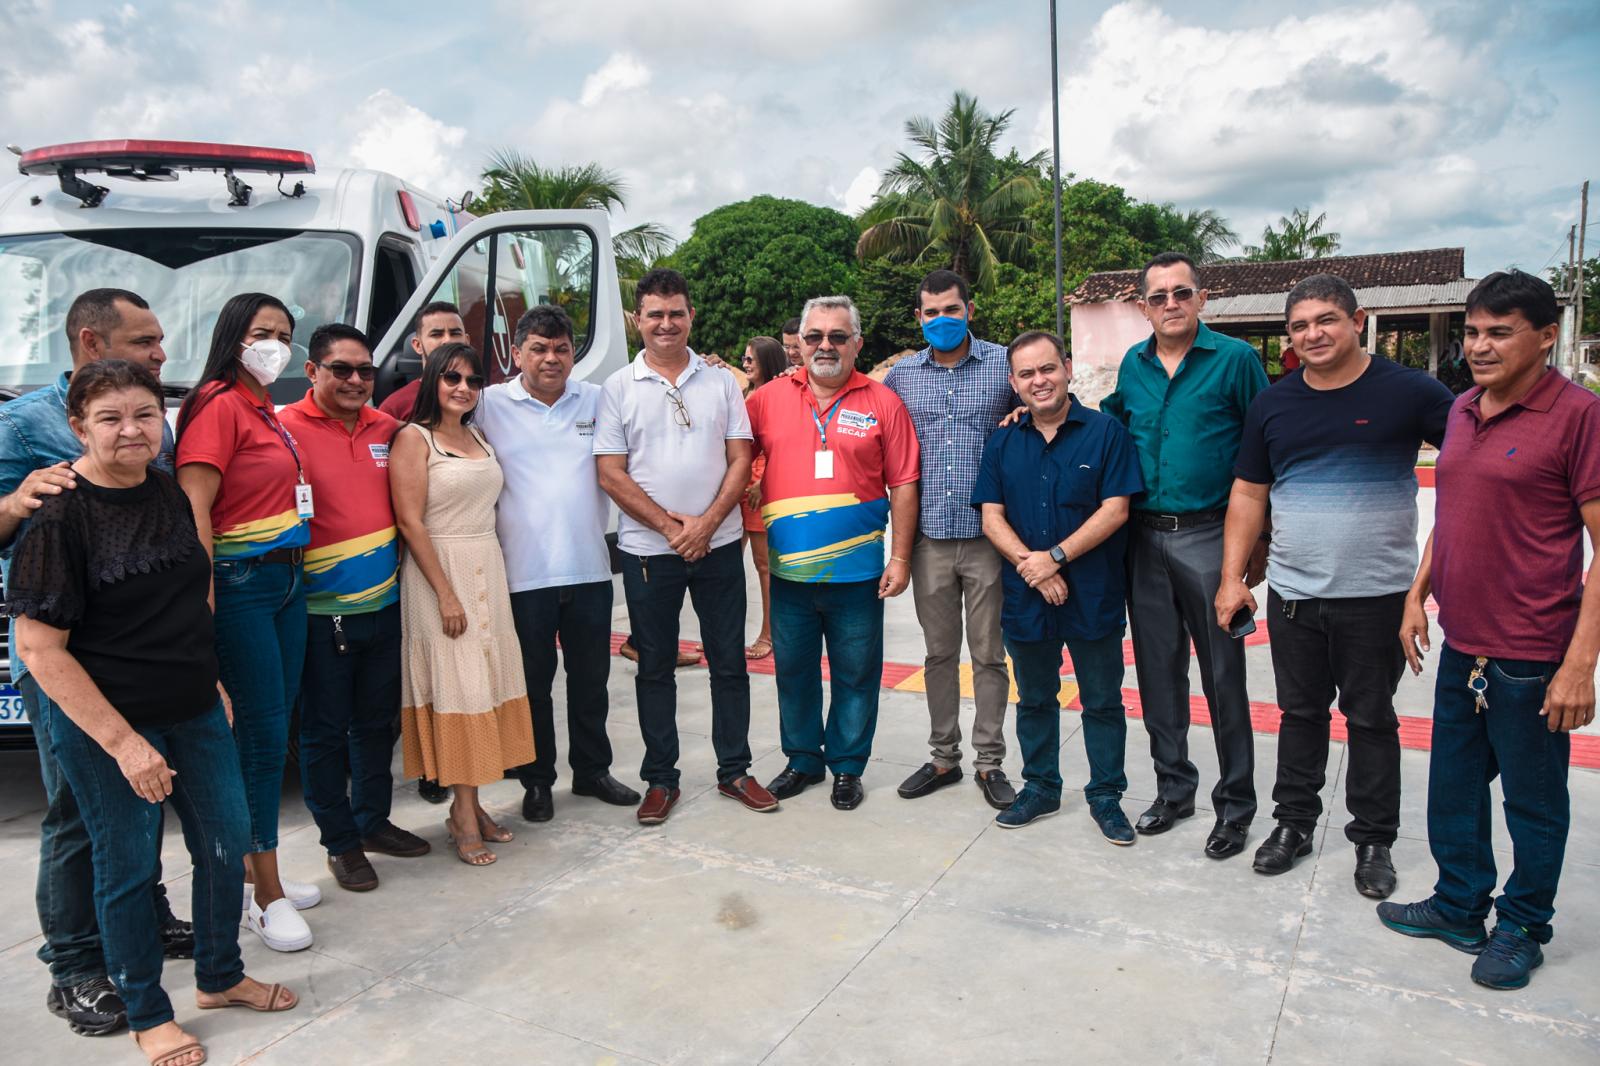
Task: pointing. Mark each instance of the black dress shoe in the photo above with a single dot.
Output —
(432, 791)
(928, 779)
(847, 791)
(1283, 846)
(996, 789)
(1226, 839)
(1162, 816)
(537, 804)
(1375, 877)
(792, 782)
(177, 939)
(607, 789)
(91, 1008)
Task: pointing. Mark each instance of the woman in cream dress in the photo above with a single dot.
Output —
(464, 702)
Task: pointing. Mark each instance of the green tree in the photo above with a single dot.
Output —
(956, 203)
(1297, 236)
(751, 265)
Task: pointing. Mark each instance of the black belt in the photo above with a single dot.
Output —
(1171, 523)
(291, 556)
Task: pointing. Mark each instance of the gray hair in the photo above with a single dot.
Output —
(833, 303)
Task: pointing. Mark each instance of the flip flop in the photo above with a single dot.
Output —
(176, 1055)
(463, 846)
(276, 994)
(492, 830)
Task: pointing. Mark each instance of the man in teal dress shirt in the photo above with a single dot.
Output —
(1183, 394)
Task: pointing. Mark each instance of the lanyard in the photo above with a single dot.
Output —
(822, 423)
(283, 434)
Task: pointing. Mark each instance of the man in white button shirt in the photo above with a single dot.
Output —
(551, 521)
(672, 447)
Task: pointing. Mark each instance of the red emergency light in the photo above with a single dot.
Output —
(139, 158)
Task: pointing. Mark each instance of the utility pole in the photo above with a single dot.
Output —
(1577, 340)
(1055, 163)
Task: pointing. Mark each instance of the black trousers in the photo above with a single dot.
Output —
(1350, 647)
(580, 615)
(1173, 579)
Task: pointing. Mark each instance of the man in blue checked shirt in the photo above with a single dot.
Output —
(957, 390)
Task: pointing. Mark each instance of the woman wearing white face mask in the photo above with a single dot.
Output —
(242, 472)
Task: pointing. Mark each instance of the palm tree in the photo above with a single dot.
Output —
(1206, 233)
(956, 203)
(1298, 236)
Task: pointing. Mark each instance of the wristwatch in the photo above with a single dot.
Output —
(1058, 555)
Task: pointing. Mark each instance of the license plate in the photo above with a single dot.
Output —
(11, 712)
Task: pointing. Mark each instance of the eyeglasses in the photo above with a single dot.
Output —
(342, 371)
(453, 378)
(838, 338)
(680, 413)
(1179, 296)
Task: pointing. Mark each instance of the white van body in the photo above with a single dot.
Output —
(355, 246)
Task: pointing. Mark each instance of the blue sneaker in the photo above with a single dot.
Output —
(1107, 814)
(1027, 808)
(1422, 919)
(1510, 957)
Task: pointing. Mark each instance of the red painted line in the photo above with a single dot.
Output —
(1416, 733)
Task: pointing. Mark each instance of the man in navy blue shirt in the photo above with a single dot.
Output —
(1054, 490)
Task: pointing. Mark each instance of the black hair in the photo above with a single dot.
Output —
(545, 320)
(109, 375)
(791, 327)
(438, 307)
(96, 309)
(323, 337)
(1506, 291)
(1033, 335)
(661, 282)
(1328, 287)
(427, 412)
(1166, 259)
(944, 281)
(770, 358)
(222, 361)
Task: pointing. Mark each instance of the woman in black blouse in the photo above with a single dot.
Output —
(109, 590)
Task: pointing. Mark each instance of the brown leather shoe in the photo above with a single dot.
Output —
(353, 871)
(748, 791)
(658, 803)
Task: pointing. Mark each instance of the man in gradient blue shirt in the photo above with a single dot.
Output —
(1334, 447)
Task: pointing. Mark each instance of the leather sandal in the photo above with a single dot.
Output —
(177, 1054)
(493, 830)
(472, 856)
(278, 998)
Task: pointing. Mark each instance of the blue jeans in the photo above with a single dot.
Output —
(848, 617)
(261, 649)
(64, 891)
(347, 718)
(1508, 738)
(654, 586)
(208, 795)
(1097, 666)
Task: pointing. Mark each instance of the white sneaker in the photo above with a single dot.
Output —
(280, 926)
(302, 895)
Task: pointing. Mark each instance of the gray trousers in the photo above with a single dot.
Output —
(944, 573)
(1173, 579)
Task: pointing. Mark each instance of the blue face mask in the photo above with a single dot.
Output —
(944, 334)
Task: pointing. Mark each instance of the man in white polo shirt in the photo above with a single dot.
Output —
(551, 520)
(672, 447)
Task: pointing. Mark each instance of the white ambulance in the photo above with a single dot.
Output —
(187, 225)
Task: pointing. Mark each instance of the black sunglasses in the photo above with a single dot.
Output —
(453, 378)
(342, 371)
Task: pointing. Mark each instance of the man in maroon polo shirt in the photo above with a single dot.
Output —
(1518, 483)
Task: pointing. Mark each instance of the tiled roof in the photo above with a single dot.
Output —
(1433, 266)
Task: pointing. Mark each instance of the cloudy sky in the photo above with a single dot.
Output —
(1411, 124)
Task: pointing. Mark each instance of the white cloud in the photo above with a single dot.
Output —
(619, 73)
(387, 133)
